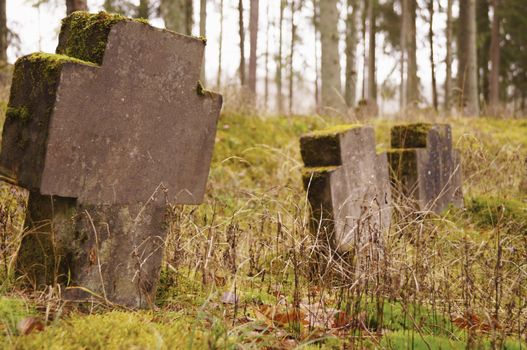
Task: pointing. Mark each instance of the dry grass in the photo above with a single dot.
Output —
(457, 279)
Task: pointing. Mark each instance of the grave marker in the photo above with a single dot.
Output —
(348, 185)
(103, 134)
(425, 167)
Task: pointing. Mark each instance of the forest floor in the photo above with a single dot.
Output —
(239, 269)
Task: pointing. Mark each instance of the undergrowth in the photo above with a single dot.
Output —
(243, 270)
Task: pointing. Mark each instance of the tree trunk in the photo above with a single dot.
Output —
(108, 6)
(279, 60)
(412, 82)
(317, 68)
(329, 36)
(403, 42)
(372, 80)
(495, 58)
(364, 48)
(467, 59)
(292, 56)
(220, 49)
(432, 61)
(253, 31)
(3, 34)
(483, 46)
(178, 15)
(189, 16)
(143, 9)
(267, 33)
(203, 32)
(241, 28)
(351, 48)
(448, 58)
(75, 5)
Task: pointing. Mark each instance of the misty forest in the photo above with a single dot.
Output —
(263, 174)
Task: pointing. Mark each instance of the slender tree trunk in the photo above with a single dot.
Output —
(108, 6)
(412, 88)
(495, 58)
(364, 49)
(3, 34)
(220, 49)
(317, 68)
(448, 59)
(372, 79)
(189, 16)
(203, 33)
(178, 15)
(267, 33)
(329, 35)
(143, 9)
(467, 59)
(253, 31)
(483, 38)
(351, 50)
(432, 60)
(292, 56)
(76, 5)
(403, 42)
(242, 42)
(279, 60)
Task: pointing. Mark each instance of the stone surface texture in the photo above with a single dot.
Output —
(348, 185)
(425, 167)
(104, 134)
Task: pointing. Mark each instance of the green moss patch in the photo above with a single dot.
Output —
(21, 113)
(410, 135)
(333, 130)
(11, 312)
(84, 35)
(35, 75)
(489, 212)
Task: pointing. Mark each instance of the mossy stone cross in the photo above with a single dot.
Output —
(348, 185)
(113, 116)
(102, 134)
(424, 166)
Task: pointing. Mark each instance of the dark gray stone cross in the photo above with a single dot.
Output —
(424, 167)
(348, 186)
(103, 134)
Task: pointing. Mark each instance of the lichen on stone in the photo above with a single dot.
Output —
(21, 113)
(319, 170)
(84, 35)
(333, 130)
(410, 135)
(201, 91)
(36, 74)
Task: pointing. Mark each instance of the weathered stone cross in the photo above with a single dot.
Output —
(425, 167)
(103, 134)
(348, 185)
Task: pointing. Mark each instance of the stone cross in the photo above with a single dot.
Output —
(348, 185)
(103, 134)
(425, 167)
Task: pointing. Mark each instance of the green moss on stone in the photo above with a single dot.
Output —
(35, 75)
(333, 130)
(21, 113)
(410, 135)
(318, 171)
(201, 91)
(321, 148)
(84, 35)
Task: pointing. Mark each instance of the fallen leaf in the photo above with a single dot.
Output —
(229, 298)
(282, 315)
(29, 325)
